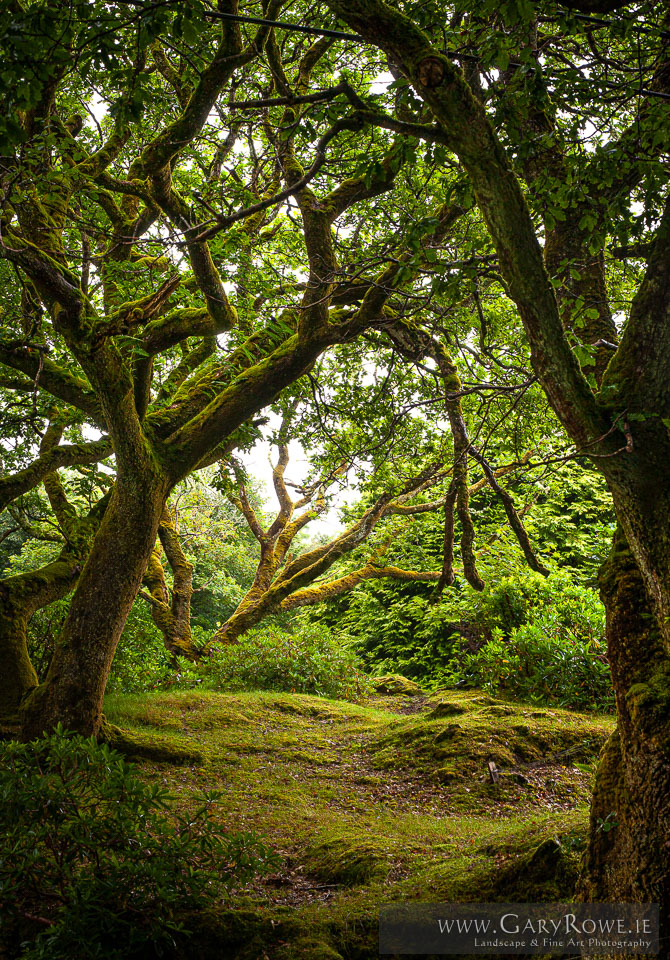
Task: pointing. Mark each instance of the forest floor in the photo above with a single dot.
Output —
(391, 800)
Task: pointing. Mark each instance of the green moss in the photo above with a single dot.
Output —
(306, 948)
(394, 685)
(533, 759)
(137, 745)
(348, 861)
(446, 708)
(648, 702)
(367, 807)
(546, 873)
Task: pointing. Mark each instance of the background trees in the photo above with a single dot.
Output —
(119, 301)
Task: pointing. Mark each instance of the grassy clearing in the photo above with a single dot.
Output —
(370, 803)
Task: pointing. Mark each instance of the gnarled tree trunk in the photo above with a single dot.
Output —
(25, 593)
(19, 673)
(628, 857)
(171, 611)
(73, 691)
(20, 597)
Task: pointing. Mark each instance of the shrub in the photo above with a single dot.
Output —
(554, 659)
(309, 660)
(408, 635)
(536, 637)
(95, 861)
(141, 661)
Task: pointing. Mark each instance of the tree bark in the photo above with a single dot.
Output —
(25, 593)
(628, 857)
(73, 691)
(19, 675)
(171, 613)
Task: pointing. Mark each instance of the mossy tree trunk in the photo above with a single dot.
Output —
(171, 609)
(74, 687)
(628, 857)
(25, 593)
(284, 583)
(20, 676)
(20, 597)
(620, 421)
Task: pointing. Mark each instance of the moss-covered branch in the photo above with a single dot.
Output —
(16, 484)
(279, 577)
(21, 595)
(470, 135)
(171, 609)
(53, 377)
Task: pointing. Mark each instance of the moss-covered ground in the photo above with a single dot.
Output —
(390, 800)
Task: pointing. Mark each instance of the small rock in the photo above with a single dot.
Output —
(393, 684)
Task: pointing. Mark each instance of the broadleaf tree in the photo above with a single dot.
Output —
(566, 162)
(172, 265)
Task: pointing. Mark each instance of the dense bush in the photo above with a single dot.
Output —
(398, 633)
(308, 660)
(141, 661)
(94, 860)
(546, 644)
(544, 661)
(536, 637)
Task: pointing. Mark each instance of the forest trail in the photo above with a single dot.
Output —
(390, 799)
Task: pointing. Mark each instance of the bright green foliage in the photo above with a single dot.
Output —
(541, 639)
(573, 519)
(220, 546)
(309, 660)
(555, 651)
(94, 863)
(400, 631)
(524, 597)
(399, 627)
(141, 661)
(544, 661)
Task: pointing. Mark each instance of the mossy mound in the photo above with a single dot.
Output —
(306, 948)
(243, 932)
(347, 861)
(372, 803)
(137, 746)
(395, 685)
(447, 708)
(459, 739)
(547, 872)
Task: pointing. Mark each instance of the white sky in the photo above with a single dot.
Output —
(258, 463)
